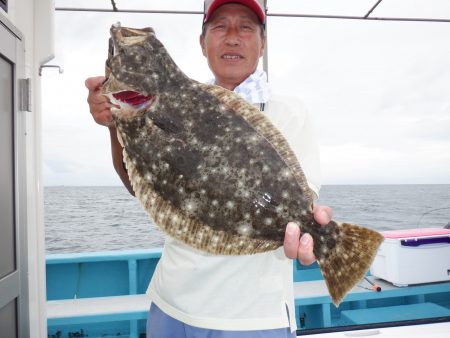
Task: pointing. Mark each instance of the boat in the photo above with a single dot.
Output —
(71, 295)
(103, 294)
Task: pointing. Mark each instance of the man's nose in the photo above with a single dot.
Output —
(232, 36)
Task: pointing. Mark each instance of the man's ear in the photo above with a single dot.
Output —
(202, 44)
(263, 46)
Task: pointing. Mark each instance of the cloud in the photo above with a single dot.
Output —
(59, 167)
(404, 164)
(377, 91)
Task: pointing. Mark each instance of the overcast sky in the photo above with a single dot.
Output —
(378, 92)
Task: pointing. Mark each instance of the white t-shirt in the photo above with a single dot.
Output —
(248, 292)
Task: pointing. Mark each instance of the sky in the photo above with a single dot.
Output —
(377, 91)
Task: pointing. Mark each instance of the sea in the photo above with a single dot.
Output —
(86, 219)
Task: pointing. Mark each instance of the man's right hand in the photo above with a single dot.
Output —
(100, 109)
(99, 105)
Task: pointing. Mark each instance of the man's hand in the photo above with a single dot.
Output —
(99, 105)
(100, 109)
(302, 248)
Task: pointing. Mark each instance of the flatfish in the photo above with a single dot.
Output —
(211, 170)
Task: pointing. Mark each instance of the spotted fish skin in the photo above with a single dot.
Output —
(211, 170)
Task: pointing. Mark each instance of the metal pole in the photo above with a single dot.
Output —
(284, 15)
(347, 17)
(143, 11)
(266, 49)
(372, 9)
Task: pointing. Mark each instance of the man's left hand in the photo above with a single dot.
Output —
(302, 247)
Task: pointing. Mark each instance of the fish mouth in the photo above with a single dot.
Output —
(130, 104)
(132, 98)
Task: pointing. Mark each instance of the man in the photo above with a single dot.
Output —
(195, 294)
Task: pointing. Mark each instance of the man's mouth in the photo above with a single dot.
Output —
(232, 56)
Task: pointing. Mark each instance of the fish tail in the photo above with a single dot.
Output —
(345, 255)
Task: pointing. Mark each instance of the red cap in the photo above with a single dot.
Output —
(256, 6)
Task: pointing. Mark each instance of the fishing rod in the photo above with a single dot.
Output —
(429, 212)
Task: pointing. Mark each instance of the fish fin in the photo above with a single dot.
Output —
(348, 261)
(120, 139)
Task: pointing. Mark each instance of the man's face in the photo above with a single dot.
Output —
(232, 44)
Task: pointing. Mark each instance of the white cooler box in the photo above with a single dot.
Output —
(413, 256)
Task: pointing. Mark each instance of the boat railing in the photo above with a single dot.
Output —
(104, 293)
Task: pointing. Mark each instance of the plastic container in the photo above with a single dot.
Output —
(413, 256)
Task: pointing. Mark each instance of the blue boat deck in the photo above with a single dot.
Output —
(103, 294)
